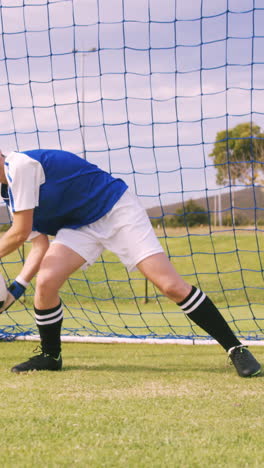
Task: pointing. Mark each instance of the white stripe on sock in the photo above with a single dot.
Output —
(49, 322)
(202, 298)
(43, 317)
(190, 301)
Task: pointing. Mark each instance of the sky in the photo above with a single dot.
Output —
(138, 89)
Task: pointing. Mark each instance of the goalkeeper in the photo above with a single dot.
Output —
(52, 192)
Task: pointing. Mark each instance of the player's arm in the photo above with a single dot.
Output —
(13, 239)
(18, 233)
(40, 245)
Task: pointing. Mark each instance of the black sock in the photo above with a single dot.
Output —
(49, 323)
(201, 310)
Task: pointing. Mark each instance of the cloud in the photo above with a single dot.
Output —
(157, 92)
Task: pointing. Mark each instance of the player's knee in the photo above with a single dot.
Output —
(169, 289)
(45, 283)
(175, 290)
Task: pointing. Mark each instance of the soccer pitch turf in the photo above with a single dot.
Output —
(132, 405)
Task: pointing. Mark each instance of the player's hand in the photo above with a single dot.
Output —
(7, 303)
(14, 292)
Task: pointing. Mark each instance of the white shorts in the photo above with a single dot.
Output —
(125, 230)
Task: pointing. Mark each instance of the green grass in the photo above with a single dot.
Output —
(142, 406)
(130, 406)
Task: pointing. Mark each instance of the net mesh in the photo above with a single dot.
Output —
(145, 92)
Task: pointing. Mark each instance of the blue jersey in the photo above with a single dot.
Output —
(64, 190)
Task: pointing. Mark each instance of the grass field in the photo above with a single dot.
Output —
(140, 406)
(135, 406)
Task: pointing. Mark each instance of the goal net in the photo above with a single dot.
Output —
(171, 100)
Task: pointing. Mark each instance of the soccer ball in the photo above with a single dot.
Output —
(3, 291)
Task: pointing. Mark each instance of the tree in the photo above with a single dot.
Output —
(238, 155)
(191, 214)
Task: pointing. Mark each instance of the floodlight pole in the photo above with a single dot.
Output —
(220, 221)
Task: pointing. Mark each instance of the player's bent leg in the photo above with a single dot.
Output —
(57, 265)
(159, 270)
(200, 309)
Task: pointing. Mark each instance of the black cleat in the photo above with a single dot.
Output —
(42, 361)
(244, 362)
